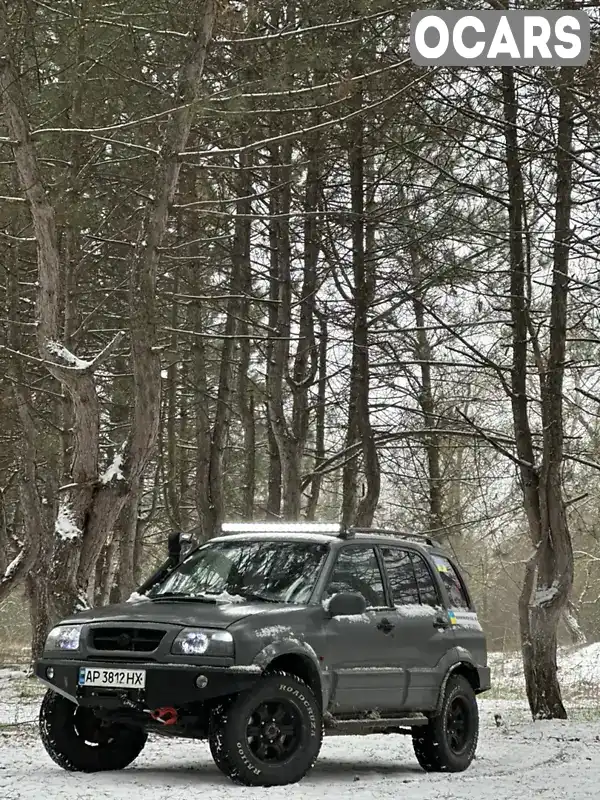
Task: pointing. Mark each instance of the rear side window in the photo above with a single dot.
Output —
(428, 592)
(401, 575)
(452, 582)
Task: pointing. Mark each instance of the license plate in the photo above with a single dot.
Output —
(112, 678)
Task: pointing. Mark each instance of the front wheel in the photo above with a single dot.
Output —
(270, 736)
(449, 742)
(78, 741)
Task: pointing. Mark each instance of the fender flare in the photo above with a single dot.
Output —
(463, 659)
(295, 647)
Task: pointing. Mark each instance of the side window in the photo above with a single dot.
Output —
(401, 574)
(428, 592)
(357, 570)
(456, 592)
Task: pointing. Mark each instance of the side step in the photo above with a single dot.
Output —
(364, 727)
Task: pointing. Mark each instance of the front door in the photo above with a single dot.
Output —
(362, 650)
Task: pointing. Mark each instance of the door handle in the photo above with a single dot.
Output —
(385, 625)
(441, 621)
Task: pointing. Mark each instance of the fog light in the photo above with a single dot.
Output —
(202, 681)
(50, 673)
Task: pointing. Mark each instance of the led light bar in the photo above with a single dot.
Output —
(282, 527)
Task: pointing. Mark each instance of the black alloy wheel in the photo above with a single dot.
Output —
(274, 731)
(270, 735)
(457, 725)
(448, 743)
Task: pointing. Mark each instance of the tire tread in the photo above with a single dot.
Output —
(53, 727)
(225, 756)
(428, 741)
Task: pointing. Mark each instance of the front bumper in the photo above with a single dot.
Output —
(166, 684)
(485, 679)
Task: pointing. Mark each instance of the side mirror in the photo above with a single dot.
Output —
(347, 604)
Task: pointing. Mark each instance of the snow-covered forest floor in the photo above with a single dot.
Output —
(516, 759)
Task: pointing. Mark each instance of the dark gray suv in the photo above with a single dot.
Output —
(266, 638)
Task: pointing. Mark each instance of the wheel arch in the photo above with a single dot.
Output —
(466, 669)
(295, 659)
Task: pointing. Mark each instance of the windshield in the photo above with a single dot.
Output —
(256, 570)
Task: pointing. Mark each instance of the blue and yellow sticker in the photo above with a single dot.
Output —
(452, 617)
(441, 564)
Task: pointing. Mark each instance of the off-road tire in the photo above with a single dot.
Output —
(117, 745)
(433, 743)
(218, 720)
(229, 741)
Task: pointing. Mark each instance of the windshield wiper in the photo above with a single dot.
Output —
(193, 598)
(255, 596)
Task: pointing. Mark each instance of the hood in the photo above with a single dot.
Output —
(177, 612)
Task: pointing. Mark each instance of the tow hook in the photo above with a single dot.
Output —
(166, 715)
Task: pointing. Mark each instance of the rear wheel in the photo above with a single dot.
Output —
(449, 742)
(78, 741)
(270, 736)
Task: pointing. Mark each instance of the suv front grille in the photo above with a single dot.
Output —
(136, 640)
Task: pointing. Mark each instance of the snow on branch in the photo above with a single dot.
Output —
(82, 603)
(62, 352)
(260, 143)
(545, 595)
(66, 527)
(72, 362)
(117, 127)
(114, 471)
(12, 567)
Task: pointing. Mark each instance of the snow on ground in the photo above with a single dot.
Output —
(578, 670)
(517, 759)
(19, 699)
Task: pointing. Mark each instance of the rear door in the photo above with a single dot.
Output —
(362, 651)
(424, 633)
(466, 629)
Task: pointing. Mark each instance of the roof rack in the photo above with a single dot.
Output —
(400, 534)
(327, 528)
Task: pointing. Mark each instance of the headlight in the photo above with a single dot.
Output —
(64, 637)
(196, 642)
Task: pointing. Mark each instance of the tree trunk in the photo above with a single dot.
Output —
(278, 346)
(128, 529)
(572, 625)
(107, 580)
(426, 400)
(170, 459)
(549, 573)
(5, 542)
(359, 416)
(30, 549)
(245, 388)
(39, 610)
(203, 428)
(306, 363)
(274, 375)
(223, 405)
(273, 509)
(317, 476)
